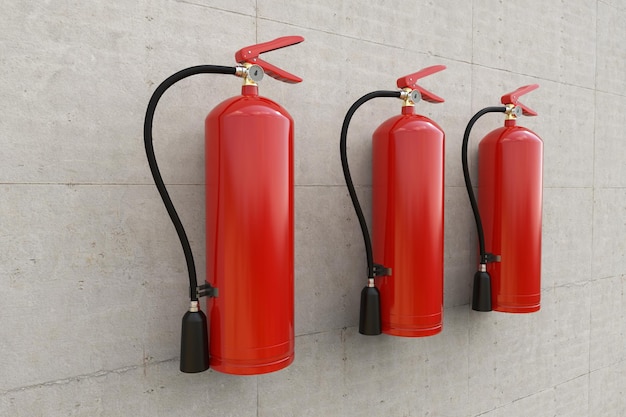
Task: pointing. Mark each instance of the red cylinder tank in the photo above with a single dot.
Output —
(408, 203)
(250, 234)
(510, 199)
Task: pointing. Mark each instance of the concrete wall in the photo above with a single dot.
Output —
(93, 282)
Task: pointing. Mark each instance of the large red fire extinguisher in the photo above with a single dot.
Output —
(249, 225)
(508, 212)
(404, 294)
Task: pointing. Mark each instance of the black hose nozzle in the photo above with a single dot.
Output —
(194, 341)
(370, 318)
(481, 295)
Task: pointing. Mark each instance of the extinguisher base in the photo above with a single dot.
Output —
(517, 310)
(421, 328)
(527, 303)
(254, 366)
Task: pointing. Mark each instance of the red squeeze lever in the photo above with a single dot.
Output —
(513, 98)
(250, 54)
(410, 81)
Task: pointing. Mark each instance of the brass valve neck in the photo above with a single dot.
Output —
(251, 73)
(512, 112)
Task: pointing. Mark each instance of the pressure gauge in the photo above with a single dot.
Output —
(256, 73)
(415, 96)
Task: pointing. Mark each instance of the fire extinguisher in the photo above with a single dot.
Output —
(508, 212)
(404, 293)
(249, 225)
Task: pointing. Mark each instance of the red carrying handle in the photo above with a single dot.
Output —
(513, 98)
(250, 54)
(410, 81)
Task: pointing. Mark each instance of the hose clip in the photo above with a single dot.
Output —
(490, 258)
(381, 271)
(207, 290)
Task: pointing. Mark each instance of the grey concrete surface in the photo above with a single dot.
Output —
(92, 277)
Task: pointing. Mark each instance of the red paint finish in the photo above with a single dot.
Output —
(510, 200)
(408, 184)
(250, 234)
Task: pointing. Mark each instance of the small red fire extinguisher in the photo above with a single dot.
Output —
(249, 225)
(508, 212)
(404, 294)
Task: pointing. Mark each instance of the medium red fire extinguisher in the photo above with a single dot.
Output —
(508, 212)
(404, 294)
(249, 225)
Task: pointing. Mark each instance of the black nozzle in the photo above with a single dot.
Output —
(369, 321)
(194, 343)
(481, 298)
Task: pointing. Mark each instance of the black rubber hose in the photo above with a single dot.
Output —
(154, 168)
(348, 177)
(468, 181)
